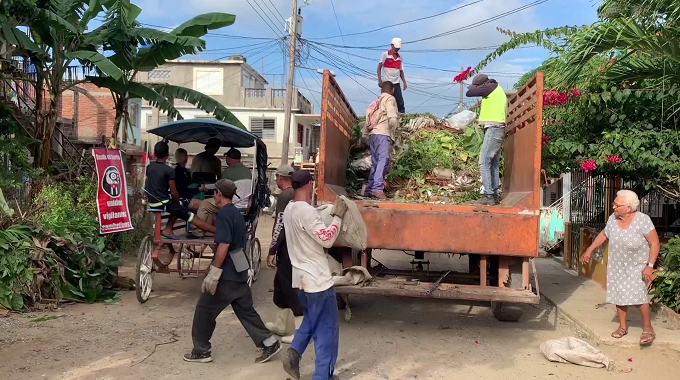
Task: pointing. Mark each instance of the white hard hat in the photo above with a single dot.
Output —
(396, 42)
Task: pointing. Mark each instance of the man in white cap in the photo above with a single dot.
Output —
(391, 69)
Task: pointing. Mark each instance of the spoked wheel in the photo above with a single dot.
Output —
(145, 270)
(254, 255)
(186, 261)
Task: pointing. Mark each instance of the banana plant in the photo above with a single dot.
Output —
(134, 48)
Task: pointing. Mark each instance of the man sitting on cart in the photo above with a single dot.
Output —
(236, 172)
(159, 179)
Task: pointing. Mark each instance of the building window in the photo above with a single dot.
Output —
(162, 120)
(204, 117)
(208, 81)
(149, 120)
(263, 128)
(159, 75)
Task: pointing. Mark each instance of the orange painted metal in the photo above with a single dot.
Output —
(510, 229)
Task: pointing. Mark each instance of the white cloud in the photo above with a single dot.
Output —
(526, 60)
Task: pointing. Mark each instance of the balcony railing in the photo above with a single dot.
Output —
(274, 98)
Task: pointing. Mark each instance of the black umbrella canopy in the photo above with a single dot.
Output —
(202, 130)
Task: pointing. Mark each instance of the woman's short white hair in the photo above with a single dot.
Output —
(630, 198)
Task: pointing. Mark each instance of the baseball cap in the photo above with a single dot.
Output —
(396, 42)
(301, 178)
(479, 79)
(285, 171)
(226, 187)
(233, 153)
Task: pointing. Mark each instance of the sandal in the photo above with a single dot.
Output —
(620, 333)
(647, 338)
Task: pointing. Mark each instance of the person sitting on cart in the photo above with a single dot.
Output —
(227, 284)
(235, 172)
(188, 191)
(159, 179)
(207, 162)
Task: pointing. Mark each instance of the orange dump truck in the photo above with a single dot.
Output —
(500, 241)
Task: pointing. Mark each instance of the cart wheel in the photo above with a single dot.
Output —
(506, 312)
(185, 261)
(254, 254)
(145, 270)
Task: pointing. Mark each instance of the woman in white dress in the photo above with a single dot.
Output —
(633, 249)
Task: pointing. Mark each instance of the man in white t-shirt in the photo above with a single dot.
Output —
(391, 69)
(306, 237)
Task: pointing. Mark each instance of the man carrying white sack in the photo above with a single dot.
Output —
(307, 236)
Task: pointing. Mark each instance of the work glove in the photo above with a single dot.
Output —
(339, 208)
(211, 280)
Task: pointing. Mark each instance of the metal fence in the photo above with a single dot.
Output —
(591, 203)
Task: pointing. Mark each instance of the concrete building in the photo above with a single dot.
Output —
(243, 91)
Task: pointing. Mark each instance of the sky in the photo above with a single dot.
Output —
(429, 74)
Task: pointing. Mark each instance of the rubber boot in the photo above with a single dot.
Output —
(280, 325)
(289, 339)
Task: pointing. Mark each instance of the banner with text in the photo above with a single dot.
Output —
(112, 202)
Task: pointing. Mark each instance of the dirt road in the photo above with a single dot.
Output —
(386, 339)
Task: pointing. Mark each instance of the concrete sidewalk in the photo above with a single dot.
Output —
(582, 301)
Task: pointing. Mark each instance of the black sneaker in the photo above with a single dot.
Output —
(487, 200)
(202, 357)
(268, 352)
(291, 364)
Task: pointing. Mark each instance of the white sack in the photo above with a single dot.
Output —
(363, 164)
(574, 351)
(462, 120)
(353, 233)
(352, 276)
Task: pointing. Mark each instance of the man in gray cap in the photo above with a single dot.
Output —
(492, 117)
(307, 236)
(227, 284)
(285, 297)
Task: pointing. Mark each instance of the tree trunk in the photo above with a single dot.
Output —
(121, 106)
(45, 123)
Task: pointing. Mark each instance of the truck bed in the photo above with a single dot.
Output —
(509, 229)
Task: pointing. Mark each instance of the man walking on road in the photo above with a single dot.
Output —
(307, 236)
(492, 118)
(391, 69)
(381, 122)
(285, 297)
(227, 284)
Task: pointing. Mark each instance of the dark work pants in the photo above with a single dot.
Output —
(399, 97)
(319, 322)
(285, 296)
(236, 294)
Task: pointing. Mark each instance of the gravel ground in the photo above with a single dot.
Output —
(387, 338)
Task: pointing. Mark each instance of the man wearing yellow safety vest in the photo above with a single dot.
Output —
(492, 119)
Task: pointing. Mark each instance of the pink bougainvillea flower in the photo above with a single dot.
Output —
(588, 165)
(614, 159)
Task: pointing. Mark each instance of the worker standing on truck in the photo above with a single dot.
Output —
(492, 119)
(391, 69)
(307, 236)
(381, 122)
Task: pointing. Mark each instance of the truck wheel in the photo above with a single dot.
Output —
(503, 311)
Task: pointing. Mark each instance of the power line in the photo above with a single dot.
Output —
(343, 39)
(400, 23)
(232, 36)
(277, 10)
(263, 20)
(307, 87)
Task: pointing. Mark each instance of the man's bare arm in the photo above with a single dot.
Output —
(380, 66)
(220, 255)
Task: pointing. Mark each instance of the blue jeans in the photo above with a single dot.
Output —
(380, 160)
(399, 98)
(489, 159)
(319, 322)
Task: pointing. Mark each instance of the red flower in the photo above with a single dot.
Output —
(588, 165)
(465, 74)
(545, 140)
(575, 92)
(614, 159)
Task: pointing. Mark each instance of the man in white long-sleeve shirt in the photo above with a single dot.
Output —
(306, 237)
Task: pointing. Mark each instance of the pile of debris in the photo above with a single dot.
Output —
(432, 160)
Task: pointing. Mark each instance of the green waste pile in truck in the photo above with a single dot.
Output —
(430, 162)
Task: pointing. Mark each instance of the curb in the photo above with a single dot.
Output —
(606, 340)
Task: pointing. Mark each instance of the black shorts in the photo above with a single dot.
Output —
(179, 210)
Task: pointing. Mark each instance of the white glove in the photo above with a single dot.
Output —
(211, 280)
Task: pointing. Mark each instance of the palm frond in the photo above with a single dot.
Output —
(98, 60)
(201, 101)
(18, 38)
(201, 24)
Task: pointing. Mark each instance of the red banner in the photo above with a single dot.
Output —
(112, 202)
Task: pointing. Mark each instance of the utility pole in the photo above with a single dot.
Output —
(292, 39)
(462, 89)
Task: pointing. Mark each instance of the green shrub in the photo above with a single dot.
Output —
(16, 271)
(68, 209)
(666, 284)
